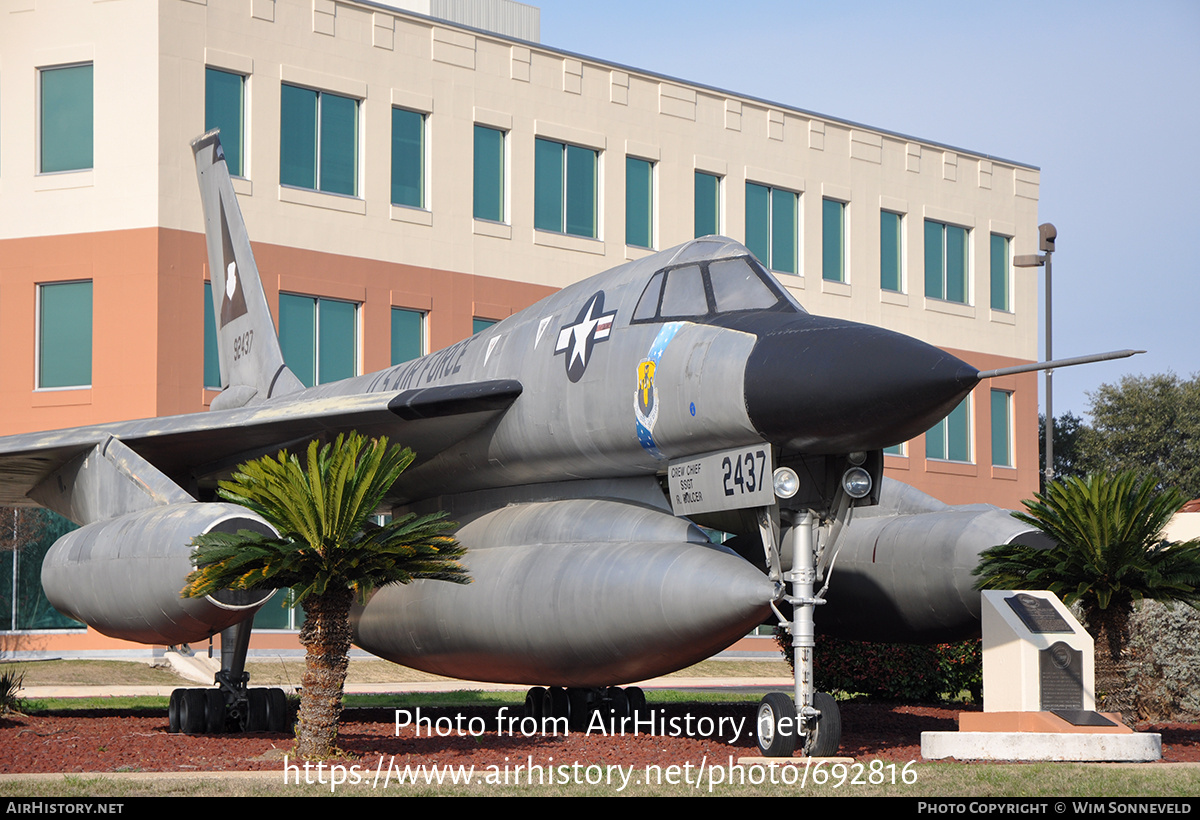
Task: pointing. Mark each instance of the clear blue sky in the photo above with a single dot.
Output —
(1075, 88)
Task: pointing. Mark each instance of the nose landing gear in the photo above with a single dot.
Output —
(812, 716)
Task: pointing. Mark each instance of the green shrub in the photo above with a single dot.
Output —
(903, 672)
(1165, 666)
(10, 684)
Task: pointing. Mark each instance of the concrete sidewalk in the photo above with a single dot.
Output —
(101, 691)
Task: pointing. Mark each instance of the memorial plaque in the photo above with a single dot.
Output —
(1038, 614)
(1036, 655)
(1083, 718)
(1061, 679)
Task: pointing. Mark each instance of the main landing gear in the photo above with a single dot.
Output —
(232, 706)
(228, 708)
(578, 705)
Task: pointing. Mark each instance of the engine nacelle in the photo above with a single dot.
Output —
(903, 572)
(122, 577)
(571, 592)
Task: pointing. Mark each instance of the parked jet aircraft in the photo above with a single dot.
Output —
(579, 442)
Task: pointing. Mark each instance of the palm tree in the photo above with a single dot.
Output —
(328, 551)
(1110, 555)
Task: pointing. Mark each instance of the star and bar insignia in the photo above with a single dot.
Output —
(577, 339)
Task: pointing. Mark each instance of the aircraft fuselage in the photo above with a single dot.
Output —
(610, 388)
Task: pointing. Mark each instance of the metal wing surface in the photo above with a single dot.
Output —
(205, 444)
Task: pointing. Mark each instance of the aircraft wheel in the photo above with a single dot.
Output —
(279, 716)
(214, 711)
(618, 702)
(256, 711)
(535, 703)
(193, 712)
(556, 704)
(173, 709)
(825, 736)
(776, 725)
(637, 701)
(581, 709)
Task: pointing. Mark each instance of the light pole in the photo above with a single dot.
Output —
(1047, 233)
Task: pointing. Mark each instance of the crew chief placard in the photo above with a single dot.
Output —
(727, 480)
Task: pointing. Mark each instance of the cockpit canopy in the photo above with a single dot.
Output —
(701, 291)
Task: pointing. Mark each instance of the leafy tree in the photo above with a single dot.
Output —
(1110, 555)
(1148, 424)
(328, 550)
(1069, 432)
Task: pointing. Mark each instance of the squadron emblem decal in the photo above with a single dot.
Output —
(647, 395)
(645, 400)
(577, 339)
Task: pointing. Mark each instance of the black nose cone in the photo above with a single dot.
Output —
(822, 385)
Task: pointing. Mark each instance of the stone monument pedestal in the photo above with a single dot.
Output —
(1038, 692)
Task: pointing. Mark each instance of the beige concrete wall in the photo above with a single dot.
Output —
(149, 92)
(120, 39)
(460, 78)
(1184, 526)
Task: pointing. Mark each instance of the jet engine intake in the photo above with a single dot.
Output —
(123, 576)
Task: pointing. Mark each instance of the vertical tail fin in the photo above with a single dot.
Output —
(252, 367)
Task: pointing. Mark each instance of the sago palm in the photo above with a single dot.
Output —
(328, 551)
(1110, 555)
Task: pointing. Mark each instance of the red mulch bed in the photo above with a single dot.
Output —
(121, 740)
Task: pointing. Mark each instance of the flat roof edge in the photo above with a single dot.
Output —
(700, 86)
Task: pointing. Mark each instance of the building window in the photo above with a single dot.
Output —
(564, 199)
(489, 174)
(639, 202)
(28, 534)
(1002, 455)
(895, 450)
(408, 335)
(890, 252)
(408, 158)
(319, 338)
(224, 108)
(280, 612)
(950, 438)
(212, 357)
(318, 143)
(1000, 271)
(478, 324)
(772, 226)
(946, 262)
(66, 118)
(833, 240)
(65, 335)
(708, 204)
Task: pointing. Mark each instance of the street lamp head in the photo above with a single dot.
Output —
(1047, 233)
